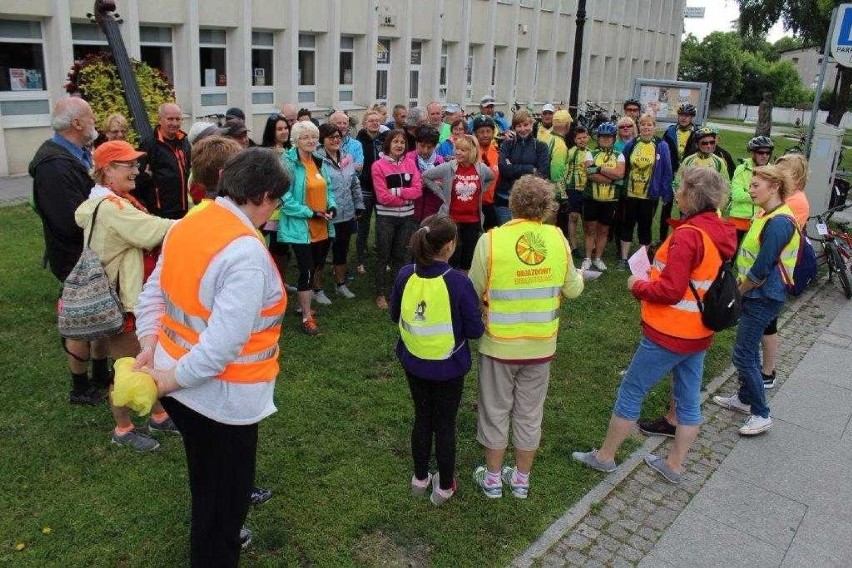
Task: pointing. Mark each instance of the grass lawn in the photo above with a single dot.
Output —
(336, 454)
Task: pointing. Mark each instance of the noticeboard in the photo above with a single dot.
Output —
(662, 98)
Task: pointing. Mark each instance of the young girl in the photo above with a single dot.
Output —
(574, 183)
(437, 311)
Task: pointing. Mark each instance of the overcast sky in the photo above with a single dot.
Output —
(718, 16)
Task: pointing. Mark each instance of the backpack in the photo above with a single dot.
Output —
(722, 304)
(806, 264)
(89, 308)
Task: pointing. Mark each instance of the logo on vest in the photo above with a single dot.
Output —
(531, 249)
(420, 311)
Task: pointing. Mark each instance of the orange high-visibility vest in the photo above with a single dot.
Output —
(683, 319)
(190, 247)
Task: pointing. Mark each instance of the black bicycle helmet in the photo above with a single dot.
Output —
(631, 102)
(686, 108)
(760, 142)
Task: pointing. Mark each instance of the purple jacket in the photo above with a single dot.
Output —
(467, 322)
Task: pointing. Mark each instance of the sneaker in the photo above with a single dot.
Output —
(309, 326)
(360, 269)
(599, 264)
(290, 289)
(440, 496)
(135, 440)
(167, 426)
(381, 302)
(343, 290)
(658, 426)
(419, 486)
(591, 459)
(89, 396)
(732, 403)
(314, 312)
(586, 264)
(659, 465)
(491, 491)
(321, 298)
(755, 425)
(622, 265)
(259, 495)
(518, 490)
(245, 538)
(768, 380)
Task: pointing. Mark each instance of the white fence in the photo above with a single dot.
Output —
(748, 114)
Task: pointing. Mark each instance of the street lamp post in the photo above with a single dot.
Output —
(578, 57)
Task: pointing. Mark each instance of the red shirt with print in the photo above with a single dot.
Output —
(464, 198)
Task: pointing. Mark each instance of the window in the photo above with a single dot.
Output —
(469, 72)
(87, 39)
(526, 3)
(212, 54)
(547, 5)
(494, 68)
(307, 68)
(21, 56)
(156, 48)
(383, 61)
(262, 44)
(442, 76)
(347, 65)
(414, 73)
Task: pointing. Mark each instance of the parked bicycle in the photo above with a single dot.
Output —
(593, 115)
(836, 246)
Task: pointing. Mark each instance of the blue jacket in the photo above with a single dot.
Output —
(520, 156)
(467, 322)
(353, 147)
(293, 225)
(347, 188)
(776, 234)
(661, 176)
(670, 138)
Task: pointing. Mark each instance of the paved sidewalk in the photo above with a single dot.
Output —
(15, 190)
(779, 499)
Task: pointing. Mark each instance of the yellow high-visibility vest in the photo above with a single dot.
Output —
(425, 320)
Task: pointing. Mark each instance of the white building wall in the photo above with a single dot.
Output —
(623, 40)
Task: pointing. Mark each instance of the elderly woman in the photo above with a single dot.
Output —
(306, 216)
(115, 127)
(673, 336)
(209, 323)
(347, 194)
(765, 263)
(521, 270)
(122, 233)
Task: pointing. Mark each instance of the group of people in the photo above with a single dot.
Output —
(474, 225)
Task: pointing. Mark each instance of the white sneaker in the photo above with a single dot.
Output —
(599, 264)
(321, 298)
(344, 291)
(587, 264)
(756, 425)
(732, 403)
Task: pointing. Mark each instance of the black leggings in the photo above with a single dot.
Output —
(468, 235)
(436, 404)
(309, 258)
(665, 215)
(638, 212)
(340, 247)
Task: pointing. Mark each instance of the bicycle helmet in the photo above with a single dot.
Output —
(705, 131)
(686, 108)
(631, 102)
(760, 142)
(606, 129)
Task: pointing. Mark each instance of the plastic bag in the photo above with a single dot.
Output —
(133, 389)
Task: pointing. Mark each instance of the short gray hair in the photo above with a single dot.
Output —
(416, 116)
(66, 110)
(303, 127)
(701, 189)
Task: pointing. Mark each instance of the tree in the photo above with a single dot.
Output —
(718, 59)
(807, 19)
(788, 43)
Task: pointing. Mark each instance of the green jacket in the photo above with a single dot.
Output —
(740, 205)
(293, 224)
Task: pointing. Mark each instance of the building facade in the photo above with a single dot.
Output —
(342, 54)
(808, 62)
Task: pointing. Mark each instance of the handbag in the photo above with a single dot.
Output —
(89, 307)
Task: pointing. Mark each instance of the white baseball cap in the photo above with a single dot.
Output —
(548, 108)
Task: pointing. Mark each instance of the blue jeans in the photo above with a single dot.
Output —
(650, 363)
(756, 315)
(503, 214)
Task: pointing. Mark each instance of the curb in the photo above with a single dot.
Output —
(561, 526)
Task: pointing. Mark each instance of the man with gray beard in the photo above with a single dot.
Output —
(61, 182)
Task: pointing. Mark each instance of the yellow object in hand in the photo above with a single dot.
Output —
(133, 389)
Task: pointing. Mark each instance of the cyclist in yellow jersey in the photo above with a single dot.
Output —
(573, 184)
(601, 195)
(682, 141)
(704, 156)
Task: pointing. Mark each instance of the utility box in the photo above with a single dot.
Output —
(822, 163)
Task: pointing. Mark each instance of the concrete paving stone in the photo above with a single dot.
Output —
(826, 363)
(575, 558)
(836, 340)
(815, 405)
(595, 521)
(588, 531)
(697, 540)
(600, 553)
(755, 511)
(636, 514)
(654, 561)
(841, 326)
(649, 533)
(630, 553)
(618, 533)
(619, 562)
(607, 542)
(593, 563)
(627, 525)
(552, 560)
(640, 543)
(801, 555)
(829, 531)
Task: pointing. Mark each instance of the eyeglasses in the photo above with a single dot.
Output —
(309, 137)
(126, 164)
(763, 152)
(707, 143)
(120, 131)
(334, 136)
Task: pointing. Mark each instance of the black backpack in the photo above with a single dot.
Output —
(722, 303)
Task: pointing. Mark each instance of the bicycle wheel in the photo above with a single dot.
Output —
(842, 271)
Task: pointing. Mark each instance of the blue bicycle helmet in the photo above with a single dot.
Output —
(607, 129)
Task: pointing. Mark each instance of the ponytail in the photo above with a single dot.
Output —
(435, 231)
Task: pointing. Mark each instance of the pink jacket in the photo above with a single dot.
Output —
(396, 183)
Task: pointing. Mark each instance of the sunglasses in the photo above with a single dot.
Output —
(707, 143)
(763, 152)
(626, 127)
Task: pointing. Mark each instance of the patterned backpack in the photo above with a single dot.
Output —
(89, 307)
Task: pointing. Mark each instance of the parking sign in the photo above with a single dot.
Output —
(841, 36)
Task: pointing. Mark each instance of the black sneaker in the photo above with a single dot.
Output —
(90, 396)
(768, 380)
(657, 427)
(245, 538)
(259, 495)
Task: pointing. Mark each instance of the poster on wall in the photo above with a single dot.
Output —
(662, 98)
(25, 80)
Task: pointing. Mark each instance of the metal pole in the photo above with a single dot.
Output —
(826, 53)
(578, 57)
